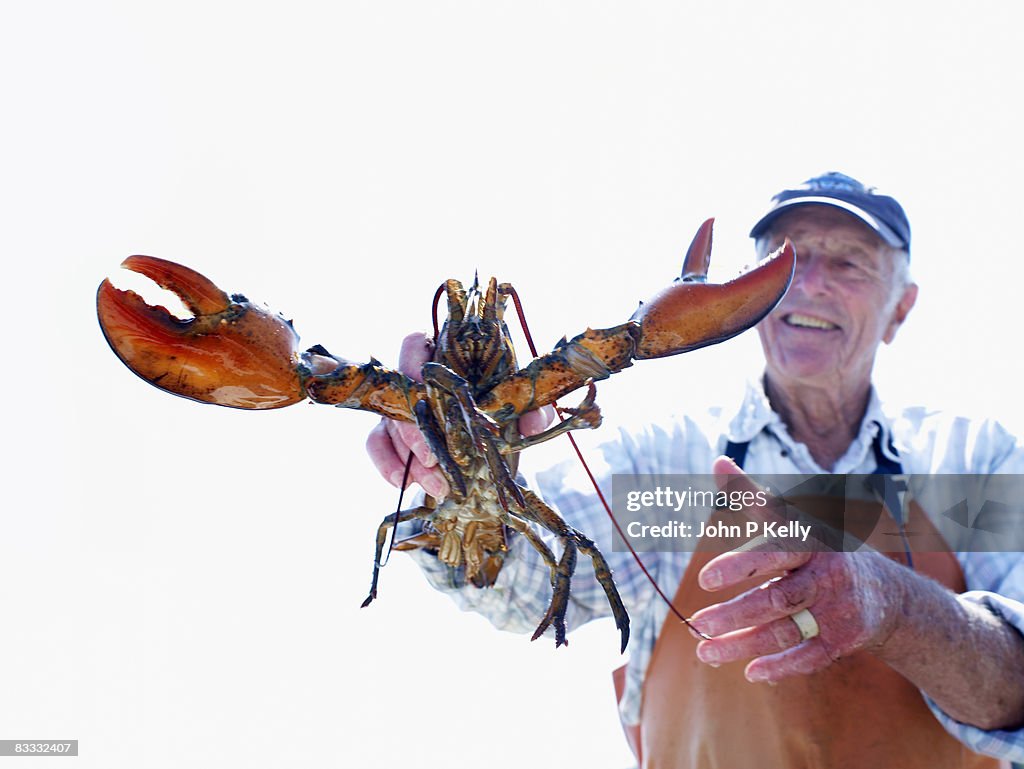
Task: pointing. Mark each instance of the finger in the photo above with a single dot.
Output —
(417, 349)
(766, 558)
(809, 657)
(430, 479)
(727, 471)
(775, 599)
(381, 451)
(533, 422)
(769, 638)
(390, 463)
(407, 437)
(731, 478)
(776, 513)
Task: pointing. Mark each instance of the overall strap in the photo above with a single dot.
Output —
(884, 465)
(737, 452)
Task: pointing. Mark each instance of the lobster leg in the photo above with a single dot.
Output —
(560, 586)
(433, 433)
(537, 511)
(585, 416)
(389, 522)
(513, 522)
(686, 316)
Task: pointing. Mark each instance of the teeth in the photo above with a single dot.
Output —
(807, 321)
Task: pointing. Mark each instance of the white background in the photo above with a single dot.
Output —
(180, 584)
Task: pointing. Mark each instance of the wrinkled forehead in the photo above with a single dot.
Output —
(815, 221)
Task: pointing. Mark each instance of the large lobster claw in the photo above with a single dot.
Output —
(692, 313)
(687, 315)
(232, 353)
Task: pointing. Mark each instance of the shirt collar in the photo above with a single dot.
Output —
(755, 415)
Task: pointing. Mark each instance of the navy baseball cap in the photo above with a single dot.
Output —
(880, 212)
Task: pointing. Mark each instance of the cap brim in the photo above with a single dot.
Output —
(884, 230)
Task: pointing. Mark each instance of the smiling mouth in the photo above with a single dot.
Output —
(808, 321)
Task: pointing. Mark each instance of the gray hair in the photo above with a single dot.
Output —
(901, 277)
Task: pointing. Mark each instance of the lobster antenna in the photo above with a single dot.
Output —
(398, 509)
(522, 320)
(433, 311)
(593, 481)
(408, 461)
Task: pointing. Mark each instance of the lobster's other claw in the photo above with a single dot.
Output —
(691, 314)
(232, 353)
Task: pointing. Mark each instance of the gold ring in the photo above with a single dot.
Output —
(806, 624)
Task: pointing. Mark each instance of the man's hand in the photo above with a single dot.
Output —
(964, 656)
(854, 599)
(390, 442)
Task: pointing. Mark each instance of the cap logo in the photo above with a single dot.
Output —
(836, 182)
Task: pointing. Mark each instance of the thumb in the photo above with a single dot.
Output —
(417, 349)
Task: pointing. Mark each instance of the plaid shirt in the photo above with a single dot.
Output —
(926, 443)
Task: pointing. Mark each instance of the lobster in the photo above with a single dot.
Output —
(239, 354)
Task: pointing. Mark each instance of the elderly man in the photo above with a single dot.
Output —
(826, 664)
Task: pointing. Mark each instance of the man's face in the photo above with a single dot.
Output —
(842, 302)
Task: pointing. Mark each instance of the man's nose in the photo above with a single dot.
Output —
(811, 276)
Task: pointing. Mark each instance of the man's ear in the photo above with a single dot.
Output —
(900, 312)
